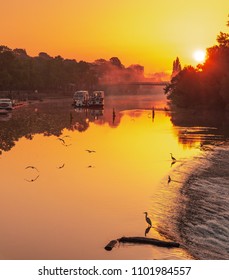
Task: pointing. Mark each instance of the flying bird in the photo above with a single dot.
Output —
(62, 140)
(148, 219)
(90, 151)
(32, 180)
(66, 145)
(33, 167)
(59, 167)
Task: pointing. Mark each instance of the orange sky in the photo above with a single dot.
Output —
(151, 33)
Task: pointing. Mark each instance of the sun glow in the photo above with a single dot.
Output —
(199, 55)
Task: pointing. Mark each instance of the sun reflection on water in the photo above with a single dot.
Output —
(82, 200)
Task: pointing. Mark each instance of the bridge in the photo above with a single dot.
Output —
(164, 83)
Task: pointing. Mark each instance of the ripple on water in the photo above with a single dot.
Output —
(204, 221)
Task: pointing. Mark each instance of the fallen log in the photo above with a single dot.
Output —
(110, 245)
(152, 241)
(142, 240)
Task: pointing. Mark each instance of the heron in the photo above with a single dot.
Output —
(148, 219)
(173, 158)
(169, 179)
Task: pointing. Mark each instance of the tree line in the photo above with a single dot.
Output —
(207, 84)
(19, 71)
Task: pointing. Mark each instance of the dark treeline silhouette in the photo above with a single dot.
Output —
(19, 71)
(207, 85)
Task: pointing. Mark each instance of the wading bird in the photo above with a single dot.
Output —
(173, 158)
(169, 179)
(148, 219)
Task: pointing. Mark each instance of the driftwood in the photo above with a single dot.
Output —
(110, 245)
(142, 240)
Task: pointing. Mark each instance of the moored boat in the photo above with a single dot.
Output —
(96, 98)
(83, 98)
(80, 98)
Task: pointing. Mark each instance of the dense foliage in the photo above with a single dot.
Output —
(207, 85)
(19, 71)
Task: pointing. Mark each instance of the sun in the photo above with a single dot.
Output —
(199, 55)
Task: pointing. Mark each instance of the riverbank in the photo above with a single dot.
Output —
(203, 222)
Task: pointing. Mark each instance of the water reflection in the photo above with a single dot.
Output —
(147, 230)
(203, 127)
(51, 117)
(6, 116)
(87, 167)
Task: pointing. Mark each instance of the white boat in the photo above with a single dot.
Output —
(80, 98)
(6, 104)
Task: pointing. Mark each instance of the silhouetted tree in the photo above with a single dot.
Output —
(184, 87)
(116, 62)
(176, 67)
(206, 85)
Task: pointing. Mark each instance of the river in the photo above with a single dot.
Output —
(73, 179)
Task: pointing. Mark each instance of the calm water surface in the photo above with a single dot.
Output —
(74, 201)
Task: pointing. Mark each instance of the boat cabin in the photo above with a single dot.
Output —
(96, 98)
(80, 98)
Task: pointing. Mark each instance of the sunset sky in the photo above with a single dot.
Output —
(148, 32)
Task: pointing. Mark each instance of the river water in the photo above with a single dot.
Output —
(72, 180)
